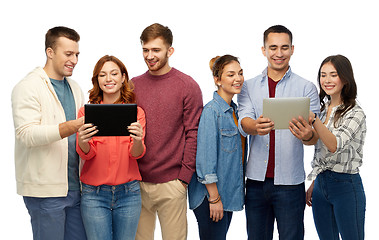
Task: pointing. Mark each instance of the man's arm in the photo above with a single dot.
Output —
(28, 119)
(249, 123)
(70, 127)
(261, 126)
(303, 130)
(249, 126)
(193, 105)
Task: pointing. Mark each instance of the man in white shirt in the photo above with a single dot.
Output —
(45, 105)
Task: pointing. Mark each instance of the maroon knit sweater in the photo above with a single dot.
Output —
(173, 104)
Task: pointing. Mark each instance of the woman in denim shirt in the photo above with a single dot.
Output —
(217, 187)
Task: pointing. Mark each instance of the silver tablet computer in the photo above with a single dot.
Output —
(111, 119)
(282, 110)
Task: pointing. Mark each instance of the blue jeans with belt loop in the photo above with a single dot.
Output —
(111, 212)
(339, 205)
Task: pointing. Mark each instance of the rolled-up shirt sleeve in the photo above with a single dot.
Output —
(245, 107)
(207, 139)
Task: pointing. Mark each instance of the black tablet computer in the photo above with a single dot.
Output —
(111, 119)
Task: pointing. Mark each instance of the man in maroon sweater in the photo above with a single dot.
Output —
(172, 102)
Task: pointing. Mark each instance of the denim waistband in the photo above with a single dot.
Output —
(330, 172)
(112, 188)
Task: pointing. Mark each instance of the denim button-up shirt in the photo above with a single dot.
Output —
(289, 152)
(218, 157)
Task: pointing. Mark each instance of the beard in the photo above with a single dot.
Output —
(159, 64)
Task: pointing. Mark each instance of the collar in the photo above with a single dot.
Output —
(327, 104)
(164, 76)
(286, 75)
(223, 104)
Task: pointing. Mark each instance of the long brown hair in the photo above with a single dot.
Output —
(349, 90)
(126, 92)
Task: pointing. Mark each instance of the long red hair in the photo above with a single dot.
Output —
(126, 92)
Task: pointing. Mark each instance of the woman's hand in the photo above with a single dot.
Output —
(85, 134)
(136, 131)
(216, 211)
(308, 197)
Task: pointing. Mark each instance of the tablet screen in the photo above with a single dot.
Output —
(111, 119)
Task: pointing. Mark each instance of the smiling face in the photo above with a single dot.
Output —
(62, 59)
(330, 81)
(110, 81)
(156, 54)
(278, 50)
(230, 82)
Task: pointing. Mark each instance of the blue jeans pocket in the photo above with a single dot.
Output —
(133, 187)
(88, 189)
(340, 177)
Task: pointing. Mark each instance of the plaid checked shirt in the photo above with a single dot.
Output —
(350, 133)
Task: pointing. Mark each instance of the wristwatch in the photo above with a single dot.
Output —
(314, 119)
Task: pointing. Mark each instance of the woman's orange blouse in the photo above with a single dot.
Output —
(109, 161)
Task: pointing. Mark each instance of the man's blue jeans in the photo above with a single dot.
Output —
(339, 204)
(266, 202)
(208, 229)
(56, 218)
(111, 212)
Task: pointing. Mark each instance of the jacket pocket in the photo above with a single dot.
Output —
(229, 139)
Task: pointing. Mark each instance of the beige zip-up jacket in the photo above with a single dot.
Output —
(41, 155)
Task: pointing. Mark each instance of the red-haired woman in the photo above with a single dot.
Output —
(111, 200)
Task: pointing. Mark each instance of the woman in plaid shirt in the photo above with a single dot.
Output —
(336, 195)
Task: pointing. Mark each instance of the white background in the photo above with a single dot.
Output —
(202, 30)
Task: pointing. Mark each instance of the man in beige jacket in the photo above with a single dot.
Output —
(45, 105)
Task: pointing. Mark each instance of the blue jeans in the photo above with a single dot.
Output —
(339, 205)
(111, 212)
(208, 229)
(266, 202)
(56, 217)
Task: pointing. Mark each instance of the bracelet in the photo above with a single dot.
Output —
(215, 201)
(314, 119)
(309, 138)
